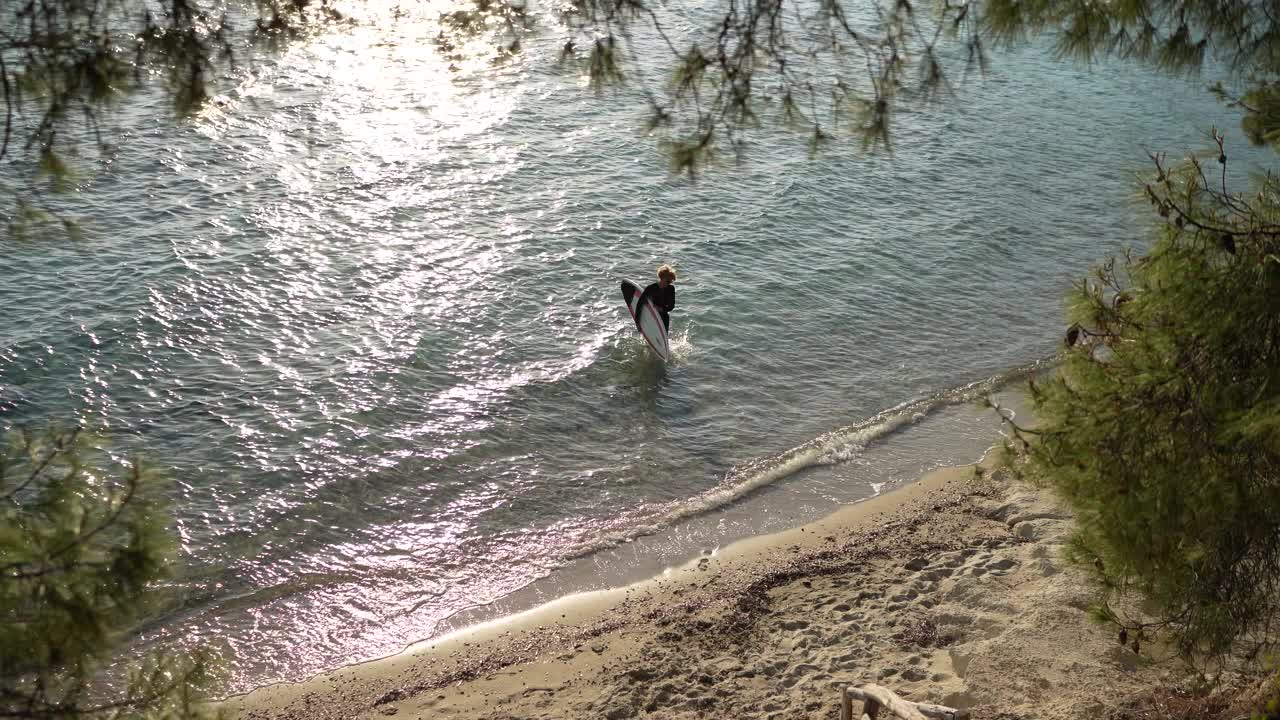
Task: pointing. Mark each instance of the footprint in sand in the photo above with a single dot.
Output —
(938, 574)
(914, 675)
(852, 658)
(800, 673)
(1003, 567)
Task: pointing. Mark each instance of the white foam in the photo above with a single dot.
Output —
(842, 445)
(681, 346)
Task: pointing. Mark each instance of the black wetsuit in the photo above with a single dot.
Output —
(664, 298)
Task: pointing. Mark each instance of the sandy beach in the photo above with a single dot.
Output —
(951, 590)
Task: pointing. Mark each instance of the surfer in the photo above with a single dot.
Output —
(663, 294)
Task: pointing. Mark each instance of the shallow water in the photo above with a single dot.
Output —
(365, 311)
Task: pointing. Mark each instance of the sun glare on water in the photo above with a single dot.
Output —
(386, 79)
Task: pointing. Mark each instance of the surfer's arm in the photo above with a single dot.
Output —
(670, 303)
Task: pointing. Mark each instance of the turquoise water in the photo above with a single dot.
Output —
(365, 312)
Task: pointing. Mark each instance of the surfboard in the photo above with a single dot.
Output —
(647, 318)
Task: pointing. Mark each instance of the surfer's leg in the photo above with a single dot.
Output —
(666, 320)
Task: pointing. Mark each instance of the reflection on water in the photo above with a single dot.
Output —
(365, 309)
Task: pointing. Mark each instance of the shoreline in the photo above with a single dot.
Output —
(902, 589)
(578, 609)
(861, 457)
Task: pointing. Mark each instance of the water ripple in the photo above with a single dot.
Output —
(365, 310)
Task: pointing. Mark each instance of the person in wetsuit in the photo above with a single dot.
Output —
(663, 294)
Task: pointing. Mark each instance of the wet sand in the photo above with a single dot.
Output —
(951, 590)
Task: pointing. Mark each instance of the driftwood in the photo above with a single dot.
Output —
(874, 698)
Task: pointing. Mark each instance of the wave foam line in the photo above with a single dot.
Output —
(838, 446)
(831, 448)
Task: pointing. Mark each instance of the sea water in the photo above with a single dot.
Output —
(364, 312)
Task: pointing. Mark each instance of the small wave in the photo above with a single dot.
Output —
(832, 448)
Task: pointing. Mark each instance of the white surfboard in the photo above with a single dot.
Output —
(648, 320)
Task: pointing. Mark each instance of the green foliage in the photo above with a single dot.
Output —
(1174, 35)
(828, 67)
(62, 62)
(1162, 425)
(1261, 122)
(1270, 704)
(83, 539)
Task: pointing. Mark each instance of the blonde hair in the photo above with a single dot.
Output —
(664, 270)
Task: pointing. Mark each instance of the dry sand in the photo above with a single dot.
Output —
(951, 590)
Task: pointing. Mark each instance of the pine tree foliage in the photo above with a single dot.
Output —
(825, 68)
(1179, 36)
(828, 68)
(832, 67)
(1162, 425)
(83, 540)
(63, 62)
